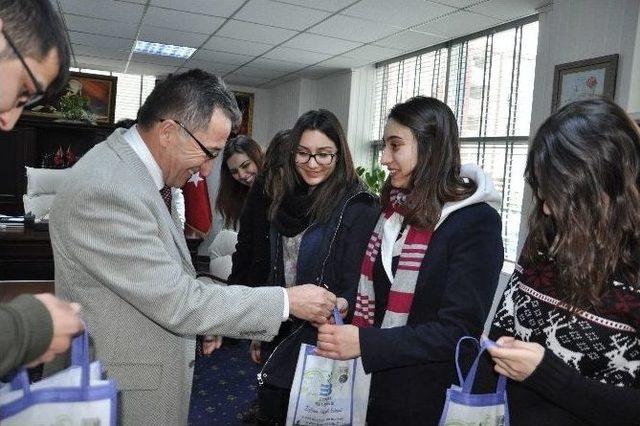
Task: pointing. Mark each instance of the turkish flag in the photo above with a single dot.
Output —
(197, 207)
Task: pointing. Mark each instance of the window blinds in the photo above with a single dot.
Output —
(487, 81)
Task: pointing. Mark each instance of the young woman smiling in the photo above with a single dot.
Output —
(320, 217)
(241, 163)
(430, 270)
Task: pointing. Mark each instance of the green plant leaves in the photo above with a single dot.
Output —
(374, 178)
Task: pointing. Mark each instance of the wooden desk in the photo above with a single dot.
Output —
(26, 254)
(11, 289)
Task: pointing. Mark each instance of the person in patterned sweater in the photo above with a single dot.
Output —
(568, 323)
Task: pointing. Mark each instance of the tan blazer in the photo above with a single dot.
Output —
(119, 253)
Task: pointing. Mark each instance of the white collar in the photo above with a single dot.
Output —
(133, 138)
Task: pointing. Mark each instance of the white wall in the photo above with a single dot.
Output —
(348, 94)
(308, 96)
(333, 94)
(633, 105)
(284, 106)
(572, 30)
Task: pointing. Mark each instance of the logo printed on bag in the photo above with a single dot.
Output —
(325, 389)
(488, 420)
(313, 382)
(321, 382)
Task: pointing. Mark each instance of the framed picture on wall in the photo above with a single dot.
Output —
(86, 98)
(245, 103)
(584, 79)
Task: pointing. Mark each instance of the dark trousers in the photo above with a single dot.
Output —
(273, 404)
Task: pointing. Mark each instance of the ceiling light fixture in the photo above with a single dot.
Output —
(149, 48)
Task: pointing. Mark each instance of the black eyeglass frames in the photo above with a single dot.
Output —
(209, 153)
(25, 98)
(322, 158)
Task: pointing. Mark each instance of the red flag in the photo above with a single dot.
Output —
(196, 203)
(58, 158)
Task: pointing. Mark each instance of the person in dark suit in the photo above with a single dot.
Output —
(34, 60)
(430, 271)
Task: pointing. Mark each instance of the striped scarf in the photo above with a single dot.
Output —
(405, 278)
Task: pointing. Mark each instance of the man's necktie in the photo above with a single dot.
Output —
(165, 193)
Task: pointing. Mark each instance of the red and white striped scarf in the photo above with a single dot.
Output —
(405, 278)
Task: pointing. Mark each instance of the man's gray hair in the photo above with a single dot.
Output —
(191, 98)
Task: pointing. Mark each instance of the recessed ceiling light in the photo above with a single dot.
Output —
(160, 49)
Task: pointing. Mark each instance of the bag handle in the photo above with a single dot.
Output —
(79, 357)
(467, 383)
(337, 317)
(21, 382)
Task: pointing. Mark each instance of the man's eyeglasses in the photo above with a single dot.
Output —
(322, 158)
(211, 154)
(26, 98)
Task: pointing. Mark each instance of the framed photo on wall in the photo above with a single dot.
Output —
(584, 79)
(87, 97)
(245, 103)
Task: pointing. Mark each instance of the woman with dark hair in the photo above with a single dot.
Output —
(241, 163)
(250, 266)
(320, 216)
(567, 324)
(430, 272)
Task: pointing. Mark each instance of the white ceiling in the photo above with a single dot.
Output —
(262, 43)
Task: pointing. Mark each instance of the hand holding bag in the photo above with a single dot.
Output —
(464, 408)
(74, 396)
(325, 391)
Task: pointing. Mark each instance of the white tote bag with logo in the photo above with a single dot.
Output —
(327, 392)
(76, 396)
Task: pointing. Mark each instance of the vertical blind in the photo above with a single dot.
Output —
(487, 81)
(131, 92)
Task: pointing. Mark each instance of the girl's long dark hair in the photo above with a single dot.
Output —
(436, 177)
(232, 194)
(329, 193)
(584, 162)
(274, 162)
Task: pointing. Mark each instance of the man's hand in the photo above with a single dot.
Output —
(311, 302)
(338, 341)
(254, 348)
(210, 344)
(343, 307)
(66, 324)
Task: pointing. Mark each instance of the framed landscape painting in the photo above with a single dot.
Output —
(87, 97)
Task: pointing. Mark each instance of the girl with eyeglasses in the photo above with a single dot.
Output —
(320, 215)
(430, 272)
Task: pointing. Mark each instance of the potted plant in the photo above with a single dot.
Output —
(75, 107)
(374, 178)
